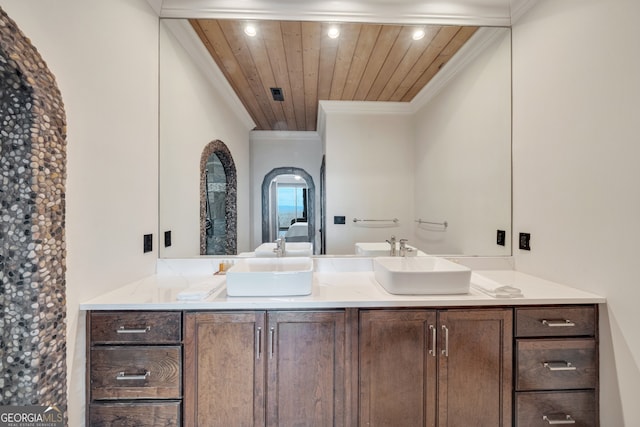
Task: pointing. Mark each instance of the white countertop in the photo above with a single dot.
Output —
(334, 286)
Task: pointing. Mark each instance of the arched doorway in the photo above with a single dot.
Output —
(33, 369)
(218, 201)
(300, 226)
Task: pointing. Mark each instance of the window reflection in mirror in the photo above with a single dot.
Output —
(287, 205)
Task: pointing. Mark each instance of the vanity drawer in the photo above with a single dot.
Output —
(135, 414)
(136, 372)
(548, 364)
(536, 409)
(158, 327)
(556, 321)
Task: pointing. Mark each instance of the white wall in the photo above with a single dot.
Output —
(463, 158)
(104, 55)
(270, 150)
(369, 175)
(192, 114)
(576, 92)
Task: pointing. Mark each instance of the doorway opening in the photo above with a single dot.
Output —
(288, 205)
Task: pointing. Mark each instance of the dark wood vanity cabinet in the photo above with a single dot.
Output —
(556, 375)
(435, 367)
(526, 366)
(273, 368)
(134, 375)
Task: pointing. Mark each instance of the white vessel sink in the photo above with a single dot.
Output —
(426, 275)
(268, 277)
(303, 249)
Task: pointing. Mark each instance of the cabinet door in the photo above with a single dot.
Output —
(397, 368)
(475, 368)
(306, 368)
(224, 369)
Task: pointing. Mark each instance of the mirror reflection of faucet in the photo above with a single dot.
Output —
(280, 249)
(392, 242)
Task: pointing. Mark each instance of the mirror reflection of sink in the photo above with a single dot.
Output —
(295, 249)
(374, 249)
(267, 277)
(421, 275)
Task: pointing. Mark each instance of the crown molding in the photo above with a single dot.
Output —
(519, 8)
(365, 107)
(283, 135)
(156, 5)
(187, 37)
(451, 12)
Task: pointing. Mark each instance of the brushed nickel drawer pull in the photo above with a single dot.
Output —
(122, 376)
(271, 344)
(445, 351)
(558, 419)
(123, 330)
(258, 343)
(558, 323)
(432, 350)
(559, 366)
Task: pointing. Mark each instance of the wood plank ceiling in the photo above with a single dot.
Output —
(366, 62)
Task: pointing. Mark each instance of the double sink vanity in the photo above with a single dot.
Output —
(342, 341)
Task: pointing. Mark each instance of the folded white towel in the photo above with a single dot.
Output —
(202, 290)
(493, 288)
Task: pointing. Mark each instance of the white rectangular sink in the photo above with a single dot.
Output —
(296, 249)
(426, 275)
(268, 277)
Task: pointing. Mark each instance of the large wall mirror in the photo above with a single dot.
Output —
(393, 167)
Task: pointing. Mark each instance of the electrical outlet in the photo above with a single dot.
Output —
(147, 245)
(167, 238)
(524, 240)
(339, 220)
(501, 237)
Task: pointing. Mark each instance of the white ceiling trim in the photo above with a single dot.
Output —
(519, 7)
(280, 135)
(366, 107)
(451, 12)
(188, 38)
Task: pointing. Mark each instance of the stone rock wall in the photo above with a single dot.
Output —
(32, 226)
(221, 150)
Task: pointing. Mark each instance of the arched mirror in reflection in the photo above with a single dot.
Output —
(288, 196)
(218, 216)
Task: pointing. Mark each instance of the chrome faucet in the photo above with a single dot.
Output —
(392, 242)
(280, 248)
(403, 247)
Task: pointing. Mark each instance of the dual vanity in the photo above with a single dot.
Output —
(178, 348)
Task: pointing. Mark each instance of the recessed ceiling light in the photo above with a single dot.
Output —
(418, 34)
(334, 32)
(250, 30)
